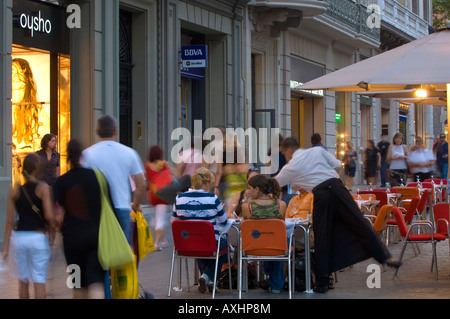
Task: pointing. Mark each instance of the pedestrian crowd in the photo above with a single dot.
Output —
(196, 189)
(395, 163)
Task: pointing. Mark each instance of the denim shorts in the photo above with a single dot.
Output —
(32, 254)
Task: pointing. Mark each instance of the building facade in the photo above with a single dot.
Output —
(128, 58)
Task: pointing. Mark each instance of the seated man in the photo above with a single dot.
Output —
(300, 205)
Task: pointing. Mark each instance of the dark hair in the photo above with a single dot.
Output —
(74, 150)
(47, 138)
(316, 139)
(290, 142)
(371, 142)
(266, 185)
(106, 126)
(155, 153)
(31, 163)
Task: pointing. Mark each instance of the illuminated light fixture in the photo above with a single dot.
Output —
(420, 93)
(342, 135)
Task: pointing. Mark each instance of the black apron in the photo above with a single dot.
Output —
(342, 235)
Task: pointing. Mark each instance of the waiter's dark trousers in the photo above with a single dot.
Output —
(342, 235)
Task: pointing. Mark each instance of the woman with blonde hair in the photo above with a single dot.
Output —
(396, 157)
(198, 204)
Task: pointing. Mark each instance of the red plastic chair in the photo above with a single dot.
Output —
(196, 239)
(422, 205)
(408, 215)
(430, 237)
(380, 195)
(441, 212)
(427, 185)
(437, 181)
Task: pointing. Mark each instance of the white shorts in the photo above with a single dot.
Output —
(31, 253)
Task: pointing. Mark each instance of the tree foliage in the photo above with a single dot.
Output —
(441, 13)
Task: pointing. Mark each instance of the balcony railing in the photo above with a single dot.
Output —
(403, 19)
(353, 16)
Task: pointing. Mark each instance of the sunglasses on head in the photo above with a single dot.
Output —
(254, 169)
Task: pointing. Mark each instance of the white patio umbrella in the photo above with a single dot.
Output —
(423, 63)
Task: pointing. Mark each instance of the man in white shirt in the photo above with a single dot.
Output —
(421, 160)
(119, 163)
(342, 236)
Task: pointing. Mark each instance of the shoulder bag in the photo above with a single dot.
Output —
(113, 248)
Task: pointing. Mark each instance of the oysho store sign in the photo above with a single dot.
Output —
(40, 25)
(35, 24)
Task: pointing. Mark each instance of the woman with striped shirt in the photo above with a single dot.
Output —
(198, 204)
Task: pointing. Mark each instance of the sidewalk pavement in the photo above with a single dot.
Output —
(414, 280)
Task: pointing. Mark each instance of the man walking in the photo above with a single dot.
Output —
(383, 146)
(342, 236)
(441, 148)
(119, 163)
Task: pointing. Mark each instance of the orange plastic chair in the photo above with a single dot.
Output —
(362, 195)
(266, 239)
(380, 221)
(196, 239)
(408, 193)
(430, 237)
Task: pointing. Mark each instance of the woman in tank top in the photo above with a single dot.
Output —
(266, 205)
(30, 249)
(396, 157)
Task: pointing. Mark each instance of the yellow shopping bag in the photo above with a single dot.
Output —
(124, 282)
(144, 236)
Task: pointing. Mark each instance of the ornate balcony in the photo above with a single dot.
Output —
(352, 18)
(279, 15)
(399, 25)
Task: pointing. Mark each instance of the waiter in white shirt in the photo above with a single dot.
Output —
(342, 236)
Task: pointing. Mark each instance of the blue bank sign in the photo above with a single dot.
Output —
(194, 56)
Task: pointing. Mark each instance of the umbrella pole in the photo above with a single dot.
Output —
(448, 120)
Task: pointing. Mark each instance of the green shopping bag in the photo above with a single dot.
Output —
(113, 248)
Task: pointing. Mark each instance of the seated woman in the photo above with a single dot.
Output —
(300, 205)
(266, 204)
(198, 204)
(241, 197)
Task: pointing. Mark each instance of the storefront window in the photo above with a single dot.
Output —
(33, 106)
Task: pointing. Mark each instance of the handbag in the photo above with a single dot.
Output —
(169, 193)
(144, 236)
(113, 248)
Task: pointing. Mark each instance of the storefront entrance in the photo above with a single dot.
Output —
(40, 83)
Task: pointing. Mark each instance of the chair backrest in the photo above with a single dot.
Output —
(264, 237)
(424, 185)
(380, 194)
(382, 217)
(423, 200)
(194, 238)
(362, 195)
(407, 192)
(412, 209)
(400, 221)
(441, 211)
(437, 181)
